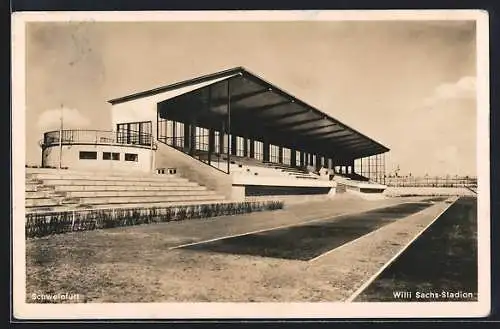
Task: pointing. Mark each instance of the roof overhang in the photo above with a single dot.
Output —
(259, 110)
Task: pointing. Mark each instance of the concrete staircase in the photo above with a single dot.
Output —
(53, 190)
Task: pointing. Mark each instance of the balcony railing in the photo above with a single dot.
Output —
(96, 137)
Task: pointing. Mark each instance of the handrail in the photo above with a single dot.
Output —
(75, 136)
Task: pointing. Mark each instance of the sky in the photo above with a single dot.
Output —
(409, 85)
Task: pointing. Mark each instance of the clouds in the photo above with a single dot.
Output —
(72, 119)
(463, 89)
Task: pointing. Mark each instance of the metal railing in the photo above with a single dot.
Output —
(431, 181)
(76, 136)
(200, 152)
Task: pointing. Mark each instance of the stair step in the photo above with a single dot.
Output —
(42, 202)
(60, 182)
(31, 188)
(40, 194)
(92, 194)
(159, 204)
(131, 178)
(148, 199)
(58, 208)
(96, 188)
(37, 171)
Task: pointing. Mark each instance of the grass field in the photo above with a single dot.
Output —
(441, 265)
(144, 264)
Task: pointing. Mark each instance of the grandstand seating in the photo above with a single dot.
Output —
(248, 166)
(357, 183)
(53, 190)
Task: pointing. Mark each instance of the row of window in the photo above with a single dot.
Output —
(134, 133)
(90, 155)
(173, 134)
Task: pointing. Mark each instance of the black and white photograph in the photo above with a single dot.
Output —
(265, 164)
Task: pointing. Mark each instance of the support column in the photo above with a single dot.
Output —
(221, 140)
(187, 140)
(192, 138)
(211, 144)
(383, 159)
(245, 147)
(280, 154)
(293, 158)
(228, 123)
(252, 148)
(265, 150)
(302, 159)
(174, 133)
(234, 145)
(318, 161)
(369, 167)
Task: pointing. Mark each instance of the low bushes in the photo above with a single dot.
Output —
(42, 224)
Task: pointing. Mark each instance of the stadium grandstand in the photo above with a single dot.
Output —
(228, 136)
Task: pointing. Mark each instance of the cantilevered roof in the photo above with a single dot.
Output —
(259, 110)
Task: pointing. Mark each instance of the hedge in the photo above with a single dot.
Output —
(47, 223)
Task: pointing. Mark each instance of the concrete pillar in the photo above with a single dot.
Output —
(302, 158)
(187, 140)
(280, 154)
(221, 142)
(265, 150)
(234, 145)
(252, 149)
(192, 138)
(245, 147)
(211, 144)
(293, 158)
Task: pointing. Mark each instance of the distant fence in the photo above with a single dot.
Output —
(47, 223)
(431, 181)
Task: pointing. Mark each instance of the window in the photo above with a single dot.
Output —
(297, 159)
(131, 157)
(258, 150)
(273, 153)
(110, 156)
(85, 155)
(134, 133)
(287, 156)
(240, 146)
(217, 142)
(201, 139)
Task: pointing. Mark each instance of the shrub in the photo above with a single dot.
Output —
(43, 224)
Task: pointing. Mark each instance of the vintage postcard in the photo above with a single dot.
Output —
(250, 164)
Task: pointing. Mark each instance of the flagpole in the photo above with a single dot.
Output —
(60, 137)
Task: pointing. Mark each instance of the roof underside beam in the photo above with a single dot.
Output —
(352, 143)
(285, 115)
(238, 98)
(327, 134)
(316, 128)
(263, 108)
(297, 123)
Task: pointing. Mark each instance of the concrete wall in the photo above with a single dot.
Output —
(243, 179)
(238, 193)
(194, 170)
(71, 160)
